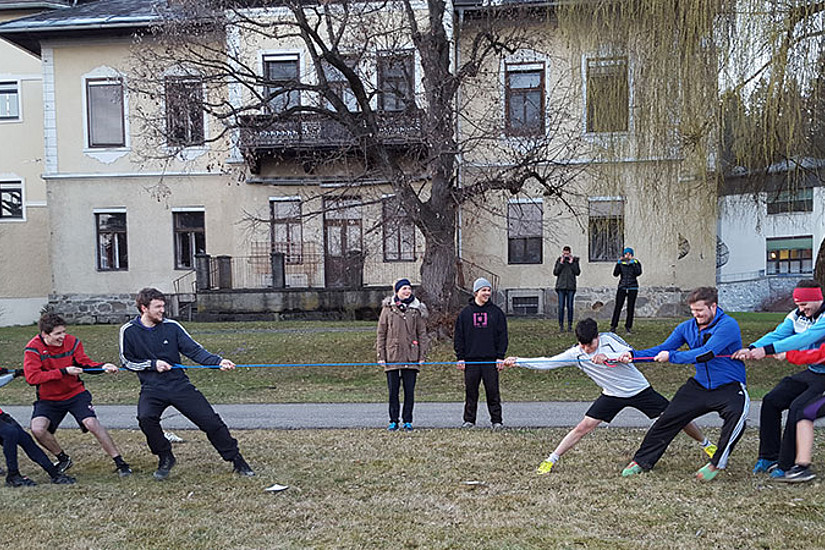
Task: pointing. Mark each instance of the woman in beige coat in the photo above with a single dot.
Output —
(402, 347)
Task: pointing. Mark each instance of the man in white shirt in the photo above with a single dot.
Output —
(622, 386)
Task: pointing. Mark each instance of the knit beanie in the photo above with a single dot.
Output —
(628, 250)
(480, 283)
(401, 282)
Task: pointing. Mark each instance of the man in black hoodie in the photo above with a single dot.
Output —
(481, 340)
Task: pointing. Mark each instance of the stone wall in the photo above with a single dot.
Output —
(758, 294)
(88, 309)
(598, 303)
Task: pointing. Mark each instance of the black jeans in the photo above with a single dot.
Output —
(394, 380)
(792, 393)
(692, 400)
(566, 299)
(191, 403)
(12, 435)
(473, 375)
(631, 307)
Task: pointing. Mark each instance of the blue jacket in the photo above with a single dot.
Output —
(796, 332)
(720, 337)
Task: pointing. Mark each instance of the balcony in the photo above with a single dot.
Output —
(262, 136)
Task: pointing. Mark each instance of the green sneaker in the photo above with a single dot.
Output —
(544, 467)
(632, 469)
(707, 472)
(710, 450)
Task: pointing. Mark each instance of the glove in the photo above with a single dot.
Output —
(18, 373)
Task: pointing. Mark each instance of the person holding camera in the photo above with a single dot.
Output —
(627, 269)
(566, 270)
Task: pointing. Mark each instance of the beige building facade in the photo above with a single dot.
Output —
(138, 186)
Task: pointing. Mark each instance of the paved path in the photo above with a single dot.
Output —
(373, 415)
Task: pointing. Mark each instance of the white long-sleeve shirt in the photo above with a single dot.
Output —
(615, 380)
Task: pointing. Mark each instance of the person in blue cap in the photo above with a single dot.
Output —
(480, 344)
(627, 269)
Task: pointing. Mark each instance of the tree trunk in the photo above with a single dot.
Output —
(438, 281)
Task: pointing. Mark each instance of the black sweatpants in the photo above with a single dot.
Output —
(631, 307)
(691, 401)
(473, 375)
(792, 393)
(191, 403)
(394, 380)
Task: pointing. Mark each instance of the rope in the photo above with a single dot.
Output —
(610, 362)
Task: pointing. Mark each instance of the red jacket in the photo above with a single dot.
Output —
(807, 356)
(44, 366)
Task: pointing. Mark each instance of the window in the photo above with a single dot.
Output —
(524, 232)
(791, 200)
(606, 230)
(525, 305)
(395, 82)
(286, 230)
(104, 109)
(190, 238)
(399, 233)
(111, 241)
(338, 83)
(608, 95)
(11, 200)
(184, 111)
(524, 99)
(9, 101)
(281, 72)
(789, 255)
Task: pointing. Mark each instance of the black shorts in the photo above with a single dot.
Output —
(649, 401)
(80, 406)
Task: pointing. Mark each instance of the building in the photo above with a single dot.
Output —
(771, 227)
(141, 184)
(25, 269)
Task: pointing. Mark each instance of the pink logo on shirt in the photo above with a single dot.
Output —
(480, 320)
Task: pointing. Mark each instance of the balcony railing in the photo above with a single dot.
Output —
(311, 131)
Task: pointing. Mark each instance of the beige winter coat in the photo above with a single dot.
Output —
(402, 335)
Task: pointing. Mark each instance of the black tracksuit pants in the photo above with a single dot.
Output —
(473, 375)
(12, 435)
(191, 403)
(792, 393)
(691, 401)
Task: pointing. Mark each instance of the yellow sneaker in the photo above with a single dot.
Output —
(544, 467)
(710, 450)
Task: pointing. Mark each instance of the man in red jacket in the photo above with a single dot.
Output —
(53, 361)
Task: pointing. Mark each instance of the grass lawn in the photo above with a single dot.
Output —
(374, 489)
(354, 342)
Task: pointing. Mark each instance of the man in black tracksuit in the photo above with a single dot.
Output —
(481, 340)
(152, 346)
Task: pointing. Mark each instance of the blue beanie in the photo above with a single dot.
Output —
(480, 283)
(401, 282)
(628, 250)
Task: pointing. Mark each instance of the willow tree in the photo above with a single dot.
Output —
(219, 40)
(744, 78)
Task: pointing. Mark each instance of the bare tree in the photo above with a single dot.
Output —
(383, 131)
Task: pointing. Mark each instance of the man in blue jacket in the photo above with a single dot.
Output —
(803, 328)
(481, 340)
(718, 385)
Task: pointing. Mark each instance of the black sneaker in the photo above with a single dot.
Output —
(18, 480)
(241, 467)
(123, 470)
(798, 474)
(165, 465)
(63, 465)
(63, 479)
